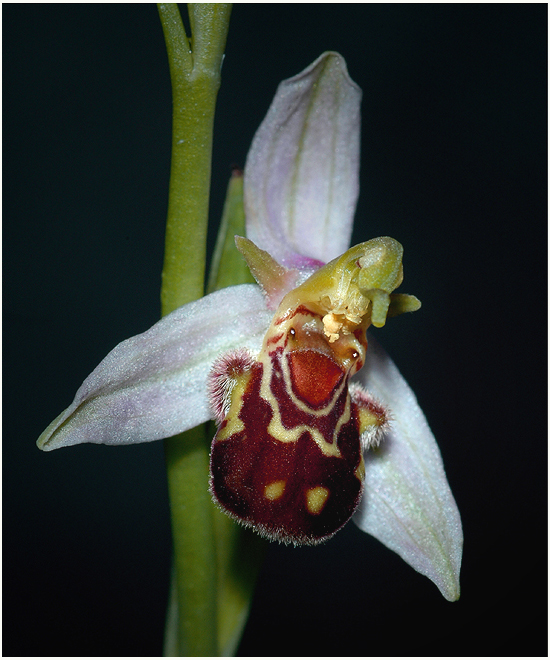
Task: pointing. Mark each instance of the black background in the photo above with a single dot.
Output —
(453, 166)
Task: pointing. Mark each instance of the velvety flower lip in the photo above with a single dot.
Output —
(301, 179)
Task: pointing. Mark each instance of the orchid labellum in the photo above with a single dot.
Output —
(315, 424)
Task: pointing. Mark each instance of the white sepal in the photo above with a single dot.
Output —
(154, 385)
(301, 178)
(407, 503)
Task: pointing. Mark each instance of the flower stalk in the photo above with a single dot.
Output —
(195, 74)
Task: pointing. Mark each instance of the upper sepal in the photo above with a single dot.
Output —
(408, 504)
(154, 385)
(301, 178)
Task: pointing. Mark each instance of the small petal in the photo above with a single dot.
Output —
(154, 385)
(276, 280)
(301, 175)
(408, 504)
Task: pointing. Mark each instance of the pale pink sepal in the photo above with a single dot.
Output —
(154, 385)
(408, 504)
(301, 178)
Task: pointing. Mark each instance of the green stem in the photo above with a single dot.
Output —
(187, 458)
(195, 75)
(195, 82)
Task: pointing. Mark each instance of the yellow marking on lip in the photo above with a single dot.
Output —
(316, 499)
(278, 431)
(275, 490)
(348, 352)
(360, 471)
(275, 427)
(233, 424)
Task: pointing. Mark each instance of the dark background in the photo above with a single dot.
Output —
(453, 166)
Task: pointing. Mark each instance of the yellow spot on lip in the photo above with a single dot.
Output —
(316, 498)
(274, 490)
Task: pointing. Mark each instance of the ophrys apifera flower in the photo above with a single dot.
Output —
(316, 425)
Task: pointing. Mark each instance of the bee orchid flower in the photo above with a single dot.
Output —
(316, 425)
